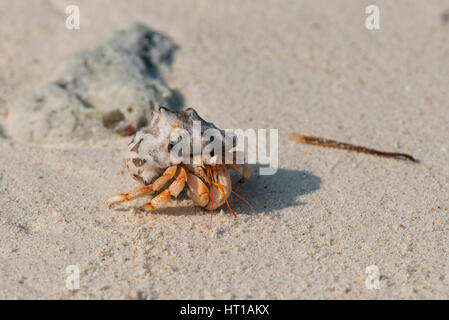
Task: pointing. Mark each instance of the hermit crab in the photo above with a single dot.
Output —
(175, 149)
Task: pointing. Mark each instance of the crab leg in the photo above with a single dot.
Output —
(221, 188)
(179, 183)
(157, 185)
(158, 200)
(173, 190)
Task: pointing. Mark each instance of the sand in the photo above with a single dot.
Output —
(299, 66)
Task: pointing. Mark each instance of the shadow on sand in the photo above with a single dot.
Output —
(275, 192)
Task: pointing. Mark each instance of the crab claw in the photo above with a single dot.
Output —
(220, 193)
(198, 190)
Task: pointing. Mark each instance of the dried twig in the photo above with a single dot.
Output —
(346, 146)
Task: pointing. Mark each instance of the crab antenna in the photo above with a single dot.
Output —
(209, 182)
(221, 189)
(236, 194)
(227, 203)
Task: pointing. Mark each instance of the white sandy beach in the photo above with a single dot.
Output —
(298, 66)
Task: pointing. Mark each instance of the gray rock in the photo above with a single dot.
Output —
(112, 88)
